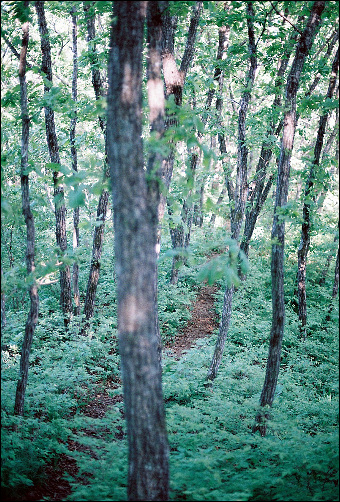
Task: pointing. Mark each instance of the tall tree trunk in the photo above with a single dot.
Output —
(52, 142)
(155, 12)
(135, 223)
(174, 79)
(29, 220)
(75, 271)
(306, 225)
(278, 230)
(98, 236)
(238, 194)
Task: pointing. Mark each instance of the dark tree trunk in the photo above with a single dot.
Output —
(75, 271)
(278, 230)
(238, 194)
(29, 220)
(52, 142)
(306, 225)
(135, 223)
(98, 236)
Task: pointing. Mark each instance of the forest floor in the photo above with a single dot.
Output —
(203, 322)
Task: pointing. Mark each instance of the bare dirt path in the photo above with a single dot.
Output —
(203, 322)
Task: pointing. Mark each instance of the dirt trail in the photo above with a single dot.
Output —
(202, 323)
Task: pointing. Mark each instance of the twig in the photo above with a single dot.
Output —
(285, 18)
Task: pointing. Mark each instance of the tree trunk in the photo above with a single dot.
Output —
(278, 230)
(174, 79)
(98, 235)
(322, 279)
(135, 224)
(306, 225)
(52, 142)
(29, 220)
(155, 11)
(237, 195)
(75, 271)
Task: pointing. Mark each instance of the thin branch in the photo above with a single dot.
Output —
(285, 18)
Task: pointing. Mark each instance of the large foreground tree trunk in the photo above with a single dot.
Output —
(135, 224)
(29, 220)
(306, 225)
(278, 229)
(52, 142)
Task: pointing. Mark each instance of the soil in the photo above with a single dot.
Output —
(54, 486)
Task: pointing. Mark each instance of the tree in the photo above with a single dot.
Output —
(52, 142)
(30, 231)
(75, 272)
(238, 193)
(278, 230)
(135, 224)
(98, 235)
(310, 196)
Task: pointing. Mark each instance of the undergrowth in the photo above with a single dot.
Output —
(213, 453)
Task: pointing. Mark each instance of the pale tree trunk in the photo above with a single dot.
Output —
(75, 272)
(237, 194)
(135, 224)
(98, 235)
(180, 235)
(278, 230)
(52, 142)
(29, 220)
(306, 225)
(174, 79)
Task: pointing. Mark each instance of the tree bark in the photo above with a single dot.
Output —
(29, 220)
(98, 235)
(306, 225)
(174, 79)
(278, 229)
(135, 224)
(52, 142)
(75, 271)
(238, 194)
(155, 12)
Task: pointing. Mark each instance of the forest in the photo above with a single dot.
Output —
(169, 250)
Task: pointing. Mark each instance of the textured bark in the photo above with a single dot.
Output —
(75, 271)
(278, 230)
(135, 224)
(238, 194)
(155, 11)
(30, 232)
(98, 235)
(309, 194)
(52, 142)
